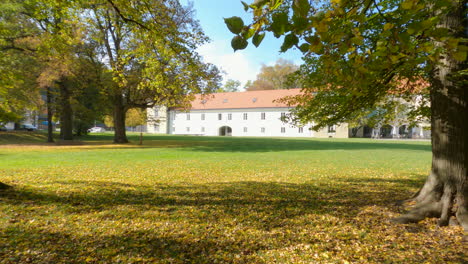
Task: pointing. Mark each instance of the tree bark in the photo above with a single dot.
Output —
(50, 137)
(446, 189)
(66, 113)
(120, 111)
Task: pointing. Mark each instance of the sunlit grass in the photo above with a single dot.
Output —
(179, 199)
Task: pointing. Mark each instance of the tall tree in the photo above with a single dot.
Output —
(275, 77)
(230, 86)
(149, 47)
(46, 30)
(356, 52)
(18, 67)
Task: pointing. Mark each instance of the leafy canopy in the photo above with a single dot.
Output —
(355, 53)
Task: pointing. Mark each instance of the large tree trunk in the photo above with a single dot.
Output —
(50, 137)
(66, 113)
(120, 111)
(446, 189)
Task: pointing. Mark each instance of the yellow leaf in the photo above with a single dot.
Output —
(388, 26)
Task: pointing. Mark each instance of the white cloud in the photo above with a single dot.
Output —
(236, 65)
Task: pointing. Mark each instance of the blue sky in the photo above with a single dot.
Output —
(241, 65)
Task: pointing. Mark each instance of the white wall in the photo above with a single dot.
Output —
(272, 124)
(156, 120)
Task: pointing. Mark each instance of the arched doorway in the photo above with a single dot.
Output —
(403, 131)
(386, 131)
(225, 131)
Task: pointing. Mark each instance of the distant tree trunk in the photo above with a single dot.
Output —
(66, 113)
(120, 110)
(50, 137)
(446, 188)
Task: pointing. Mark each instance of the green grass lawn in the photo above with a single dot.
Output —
(181, 199)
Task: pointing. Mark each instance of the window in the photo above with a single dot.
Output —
(229, 116)
(301, 130)
(262, 130)
(156, 127)
(220, 116)
(283, 130)
(283, 117)
(188, 116)
(245, 116)
(188, 129)
(173, 129)
(245, 129)
(202, 116)
(173, 116)
(202, 129)
(262, 116)
(332, 129)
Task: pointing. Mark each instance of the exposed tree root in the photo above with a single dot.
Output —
(436, 199)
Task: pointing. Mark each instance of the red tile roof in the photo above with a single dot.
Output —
(237, 100)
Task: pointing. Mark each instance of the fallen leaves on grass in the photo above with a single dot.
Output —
(187, 205)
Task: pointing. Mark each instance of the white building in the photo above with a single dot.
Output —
(252, 113)
(157, 120)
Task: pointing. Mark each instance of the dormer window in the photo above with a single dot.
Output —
(225, 100)
(254, 99)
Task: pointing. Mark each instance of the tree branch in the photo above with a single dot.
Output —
(124, 18)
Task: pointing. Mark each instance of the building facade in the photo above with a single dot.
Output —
(157, 120)
(254, 114)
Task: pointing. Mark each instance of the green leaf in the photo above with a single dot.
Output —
(289, 41)
(460, 55)
(304, 47)
(388, 26)
(407, 4)
(280, 23)
(301, 8)
(257, 39)
(234, 24)
(238, 43)
(246, 6)
(300, 24)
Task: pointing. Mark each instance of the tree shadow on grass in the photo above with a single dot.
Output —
(248, 144)
(243, 144)
(261, 206)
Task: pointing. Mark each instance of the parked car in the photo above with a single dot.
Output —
(27, 127)
(96, 130)
(3, 128)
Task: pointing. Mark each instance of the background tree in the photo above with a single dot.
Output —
(356, 53)
(275, 77)
(135, 117)
(89, 103)
(18, 67)
(149, 47)
(47, 32)
(230, 86)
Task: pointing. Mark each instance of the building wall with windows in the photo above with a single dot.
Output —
(333, 131)
(239, 122)
(254, 114)
(157, 120)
